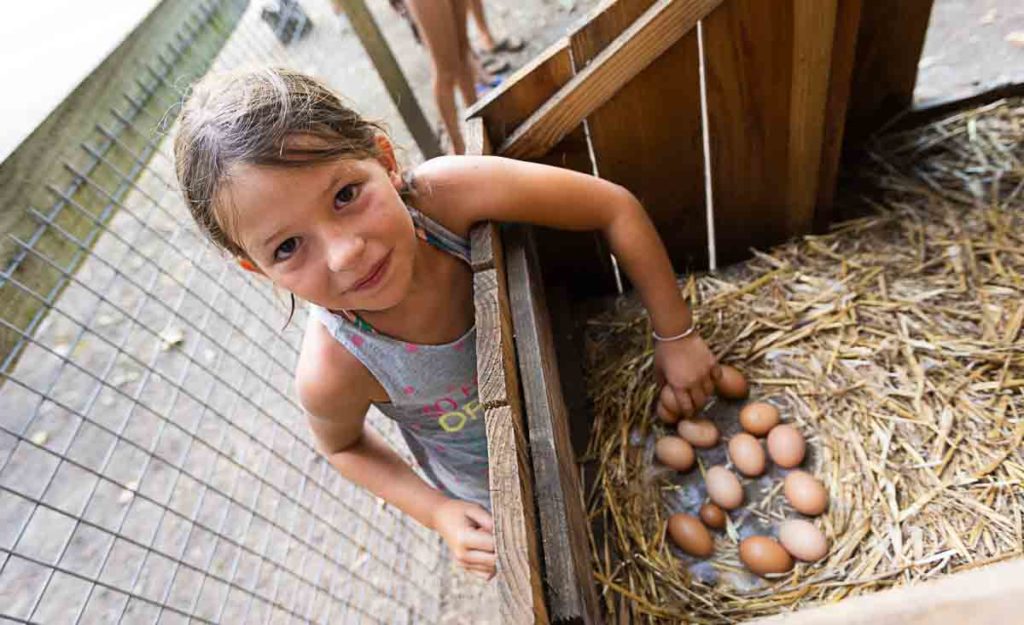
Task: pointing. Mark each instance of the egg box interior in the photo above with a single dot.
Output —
(784, 82)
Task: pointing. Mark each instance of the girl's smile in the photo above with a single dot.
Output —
(375, 277)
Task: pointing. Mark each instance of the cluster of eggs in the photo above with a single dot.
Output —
(786, 447)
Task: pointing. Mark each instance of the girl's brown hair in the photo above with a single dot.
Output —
(247, 117)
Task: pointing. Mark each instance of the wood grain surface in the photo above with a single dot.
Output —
(653, 145)
(993, 595)
(519, 577)
(563, 521)
(768, 64)
(664, 23)
(889, 44)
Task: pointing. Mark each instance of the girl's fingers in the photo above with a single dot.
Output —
(708, 386)
(479, 540)
(482, 559)
(685, 403)
(698, 397)
(481, 517)
(482, 574)
(668, 399)
(665, 415)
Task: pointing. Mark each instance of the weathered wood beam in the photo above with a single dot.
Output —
(519, 576)
(651, 35)
(563, 519)
(993, 594)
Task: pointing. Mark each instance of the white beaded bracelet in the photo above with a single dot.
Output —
(685, 334)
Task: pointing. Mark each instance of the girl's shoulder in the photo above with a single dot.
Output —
(329, 380)
(447, 189)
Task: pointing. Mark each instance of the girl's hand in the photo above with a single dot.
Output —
(686, 368)
(468, 530)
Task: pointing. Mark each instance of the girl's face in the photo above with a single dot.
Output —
(336, 234)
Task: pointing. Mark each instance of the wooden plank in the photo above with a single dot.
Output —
(814, 25)
(652, 144)
(519, 578)
(496, 387)
(766, 98)
(993, 594)
(844, 46)
(485, 244)
(889, 44)
(520, 594)
(376, 47)
(640, 44)
(523, 92)
(563, 522)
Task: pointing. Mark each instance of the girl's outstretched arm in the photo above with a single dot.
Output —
(464, 190)
(336, 391)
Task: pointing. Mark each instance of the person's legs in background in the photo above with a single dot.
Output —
(486, 37)
(442, 26)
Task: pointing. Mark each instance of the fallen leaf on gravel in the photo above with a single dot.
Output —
(128, 493)
(171, 337)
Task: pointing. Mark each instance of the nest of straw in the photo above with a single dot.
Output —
(894, 343)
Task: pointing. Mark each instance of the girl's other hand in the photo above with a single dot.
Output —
(686, 368)
(468, 530)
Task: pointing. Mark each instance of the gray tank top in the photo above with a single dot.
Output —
(432, 388)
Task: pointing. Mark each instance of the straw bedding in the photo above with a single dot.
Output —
(893, 342)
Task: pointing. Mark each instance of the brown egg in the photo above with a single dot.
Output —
(698, 432)
(746, 453)
(690, 534)
(759, 418)
(712, 515)
(674, 452)
(805, 493)
(723, 487)
(762, 555)
(731, 384)
(802, 540)
(786, 446)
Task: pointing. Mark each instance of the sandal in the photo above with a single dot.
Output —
(494, 65)
(508, 44)
(484, 87)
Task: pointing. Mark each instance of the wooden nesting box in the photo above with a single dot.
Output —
(783, 82)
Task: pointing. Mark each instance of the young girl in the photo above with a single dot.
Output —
(300, 189)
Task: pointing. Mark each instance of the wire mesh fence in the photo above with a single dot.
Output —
(154, 465)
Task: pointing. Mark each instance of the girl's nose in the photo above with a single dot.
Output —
(343, 252)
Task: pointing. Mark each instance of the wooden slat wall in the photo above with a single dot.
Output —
(565, 527)
(889, 44)
(519, 577)
(844, 46)
(767, 64)
(993, 594)
(652, 144)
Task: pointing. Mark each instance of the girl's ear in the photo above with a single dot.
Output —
(250, 266)
(388, 161)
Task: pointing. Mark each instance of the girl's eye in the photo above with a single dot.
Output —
(286, 249)
(345, 195)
